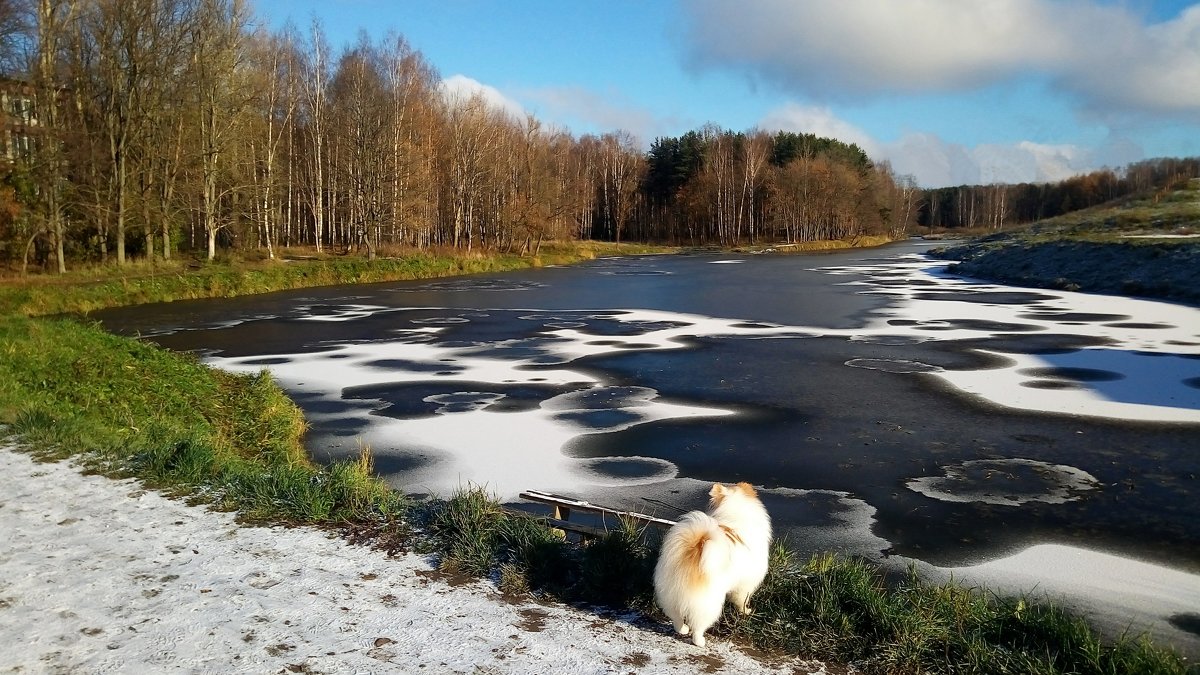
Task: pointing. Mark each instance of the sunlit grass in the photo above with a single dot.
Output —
(1176, 212)
(864, 241)
(1130, 248)
(834, 608)
(100, 287)
(845, 609)
(127, 408)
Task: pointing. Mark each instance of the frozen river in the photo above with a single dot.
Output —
(1016, 436)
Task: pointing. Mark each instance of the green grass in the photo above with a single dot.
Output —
(1125, 248)
(1174, 212)
(863, 241)
(845, 609)
(107, 286)
(473, 534)
(126, 408)
(833, 608)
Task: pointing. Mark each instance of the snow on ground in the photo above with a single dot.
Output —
(103, 576)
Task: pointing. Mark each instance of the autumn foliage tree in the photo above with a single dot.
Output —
(168, 126)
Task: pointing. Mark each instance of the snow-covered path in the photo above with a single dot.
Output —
(103, 576)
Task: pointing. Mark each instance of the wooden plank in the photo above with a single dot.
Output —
(577, 528)
(563, 506)
(561, 502)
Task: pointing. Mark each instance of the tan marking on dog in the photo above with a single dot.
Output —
(716, 495)
(732, 535)
(691, 559)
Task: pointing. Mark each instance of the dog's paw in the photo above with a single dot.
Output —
(684, 629)
(698, 640)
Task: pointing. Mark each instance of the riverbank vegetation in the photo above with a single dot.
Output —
(975, 209)
(126, 408)
(101, 286)
(150, 130)
(1146, 245)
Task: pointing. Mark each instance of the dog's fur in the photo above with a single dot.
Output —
(708, 556)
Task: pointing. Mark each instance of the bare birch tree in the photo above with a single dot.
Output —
(222, 92)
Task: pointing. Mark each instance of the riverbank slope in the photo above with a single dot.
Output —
(1146, 247)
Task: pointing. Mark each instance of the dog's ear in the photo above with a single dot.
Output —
(717, 491)
(747, 489)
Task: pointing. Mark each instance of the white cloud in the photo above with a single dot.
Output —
(1101, 52)
(818, 120)
(600, 113)
(1029, 162)
(935, 162)
(932, 161)
(460, 88)
(1156, 68)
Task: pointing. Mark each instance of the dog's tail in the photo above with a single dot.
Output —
(704, 544)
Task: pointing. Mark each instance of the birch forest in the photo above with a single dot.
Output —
(161, 129)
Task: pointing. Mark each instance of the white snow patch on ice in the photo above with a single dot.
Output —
(1152, 351)
(507, 452)
(1151, 386)
(1144, 372)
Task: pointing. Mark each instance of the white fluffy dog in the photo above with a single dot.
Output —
(708, 556)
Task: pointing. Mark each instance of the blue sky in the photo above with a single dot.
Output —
(950, 91)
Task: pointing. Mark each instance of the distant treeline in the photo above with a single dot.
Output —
(720, 187)
(143, 128)
(998, 205)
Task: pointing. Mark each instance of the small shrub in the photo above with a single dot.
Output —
(358, 494)
(162, 457)
(32, 421)
(513, 579)
(540, 554)
(466, 531)
(618, 568)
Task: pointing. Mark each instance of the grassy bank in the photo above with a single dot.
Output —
(832, 608)
(89, 289)
(864, 241)
(1140, 247)
(126, 408)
